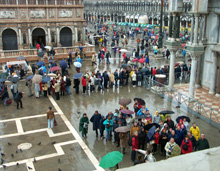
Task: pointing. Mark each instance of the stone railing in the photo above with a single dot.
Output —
(41, 2)
(33, 52)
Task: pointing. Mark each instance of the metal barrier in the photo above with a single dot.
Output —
(191, 105)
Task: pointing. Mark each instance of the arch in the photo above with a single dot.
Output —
(9, 40)
(38, 36)
(66, 36)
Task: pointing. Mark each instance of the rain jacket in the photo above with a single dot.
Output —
(195, 132)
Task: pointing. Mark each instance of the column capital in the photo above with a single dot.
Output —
(195, 56)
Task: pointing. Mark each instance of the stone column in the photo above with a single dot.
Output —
(17, 2)
(29, 36)
(76, 35)
(1, 45)
(49, 35)
(83, 34)
(196, 30)
(152, 20)
(198, 73)
(26, 2)
(201, 23)
(218, 85)
(213, 74)
(36, 2)
(20, 37)
(163, 23)
(192, 30)
(58, 35)
(193, 76)
(171, 69)
(187, 24)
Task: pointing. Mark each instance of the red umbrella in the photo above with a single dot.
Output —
(145, 29)
(177, 64)
(141, 61)
(134, 60)
(126, 111)
(137, 29)
(55, 68)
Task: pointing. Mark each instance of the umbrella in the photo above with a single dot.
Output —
(55, 68)
(21, 58)
(127, 111)
(30, 77)
(145, 29)
(78, 75)
(63, 64)
(124, 65)
(47, 47)
(77, 64)
(166, 112)
(176, 151)
(141, 60)
(123, 50)
(2, 80)
(144, 70)
(134, 60)
(40, 63)
(129, 54)
(122, 129)
(151, 132)
(150, 125)
(140, 100)
(14, 79)
(111, 159)
(41, 54)
(124, 102)
(181, 117)
(137, 29)
(45, 79)
(51, 61)
(37, 78)
(51, 75)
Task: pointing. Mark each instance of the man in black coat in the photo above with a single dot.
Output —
(106, 79)
(95, 119)
(169, 122)
(18, 97)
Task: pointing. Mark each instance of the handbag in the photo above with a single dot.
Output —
(55, 122)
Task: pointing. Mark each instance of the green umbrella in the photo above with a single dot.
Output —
(111, 159)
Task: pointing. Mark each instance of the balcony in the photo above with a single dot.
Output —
(41, 2)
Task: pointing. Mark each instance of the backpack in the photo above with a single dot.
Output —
(185, 147)
(130, 141)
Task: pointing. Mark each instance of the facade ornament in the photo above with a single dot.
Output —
(65, 13)
(7, 14)
(37, 14)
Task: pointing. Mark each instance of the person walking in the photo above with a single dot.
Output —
(18, 98)
(76, 85)
(50, 118)
(14, 89)
(95, 119)
(57, 90)
(94, 59)
(68, 84)
(134, 79)
(108, 128)
(116, 77)
(84, 83)
(83, 125)
(45, 89)
(29, 85)
(123, 136)
(37, 90)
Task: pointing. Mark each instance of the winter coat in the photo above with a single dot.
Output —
(189, 145)
(156, 137)
(170, 124)
(50, 114)
(111, 77)
(156, 119)
(168, 147)
(195, 132)
(142, 136)
(18, 96)
(83, 82)
(135, 143)
(193, 140)
(133, 129)
(179, 134)
(95, 119)
(101, 125)
(81, 125)
(134, 77)
(57, 87)
(76, 82)
(202, 144)
(106, 122)
(123, 139)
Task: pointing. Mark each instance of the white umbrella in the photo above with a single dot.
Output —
(123, 50)
(47, 47)
(77, 64)
(51, 75)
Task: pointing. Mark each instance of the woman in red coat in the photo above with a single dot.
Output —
(137, 106)
(156, 140)
(84, 84)
(186, 146)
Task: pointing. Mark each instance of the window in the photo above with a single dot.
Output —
(52, 37)
(24, 39)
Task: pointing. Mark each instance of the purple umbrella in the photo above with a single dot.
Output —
(126, 111)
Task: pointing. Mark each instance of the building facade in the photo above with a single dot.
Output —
(24, 23)
(132, 10)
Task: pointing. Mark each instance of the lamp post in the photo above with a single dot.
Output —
(160, 41)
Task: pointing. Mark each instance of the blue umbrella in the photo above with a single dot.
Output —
(78, 75)
(40, 63)
(2, 80)
(151, 132)
(63, 64)
(51, 61)
(45, 79)
(30, 77)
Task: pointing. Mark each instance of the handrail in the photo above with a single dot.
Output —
(191, 105)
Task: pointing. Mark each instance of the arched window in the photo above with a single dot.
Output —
(24, 39)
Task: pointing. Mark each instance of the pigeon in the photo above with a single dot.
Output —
(59, 169)
(16, 151)
(54, 142)
(12, 155)
(29, 168)
(9, 143)
(17, 164)
(2, 161)
(39, 143)
(20, 150)
(2, 154)
(4, 166)
(58, 160)
(35, 160)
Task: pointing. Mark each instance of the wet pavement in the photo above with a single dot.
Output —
(34, 126)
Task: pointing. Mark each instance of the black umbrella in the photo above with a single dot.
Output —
(140, 100)
(13, 79)
(181, 117)
(41, 54)
(124, 66)
(165, 112)
(150, 125)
